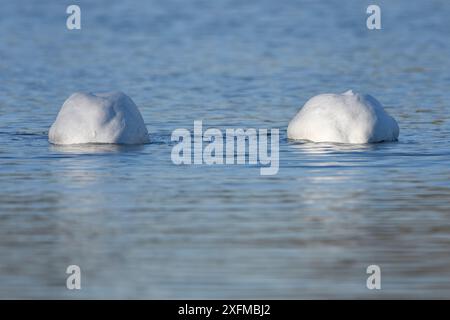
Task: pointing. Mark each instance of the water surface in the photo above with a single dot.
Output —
(141, 227)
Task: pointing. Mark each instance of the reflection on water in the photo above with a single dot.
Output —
(327, 147)
(141, 227)
(95, 148)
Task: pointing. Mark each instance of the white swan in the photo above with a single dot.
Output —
(98, 118)
(344, 118)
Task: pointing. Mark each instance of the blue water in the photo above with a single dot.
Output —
(141, 227)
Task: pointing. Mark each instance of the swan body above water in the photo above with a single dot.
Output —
(343, 118)
(98, 118)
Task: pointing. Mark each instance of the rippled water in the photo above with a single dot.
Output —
(141, 227)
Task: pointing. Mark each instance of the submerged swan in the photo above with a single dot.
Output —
(98, 118)
(344, 118)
